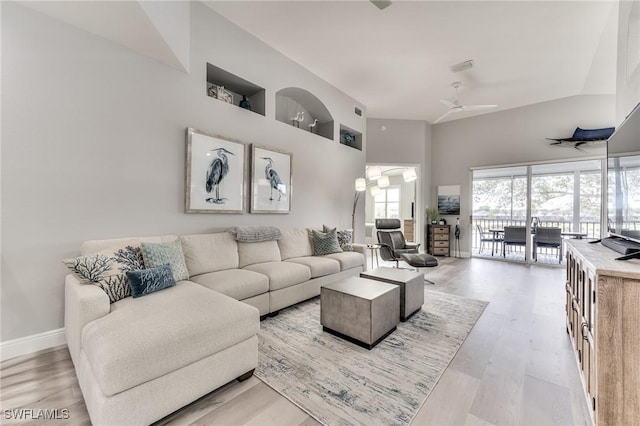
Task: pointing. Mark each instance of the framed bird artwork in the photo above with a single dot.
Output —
(271, 180)
(216, 177)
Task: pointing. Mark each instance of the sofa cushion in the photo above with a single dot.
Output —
(147, 281)
(265, 251)
(295, 243)
(106, 269)
(237, 283)
(158, 254)
(319, 266)
(209, 252)
(148, 337)
(347, 259)
(282, 274)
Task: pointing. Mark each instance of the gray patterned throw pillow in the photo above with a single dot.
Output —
(345, 237)
(325, 242)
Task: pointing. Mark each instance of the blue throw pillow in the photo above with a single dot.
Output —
(145, 281)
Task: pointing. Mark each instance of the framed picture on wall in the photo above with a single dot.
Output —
(215, 174)
(271, 180)
(449, 200)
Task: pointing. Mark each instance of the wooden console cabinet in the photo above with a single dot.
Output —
(439, 240)
(603, 322)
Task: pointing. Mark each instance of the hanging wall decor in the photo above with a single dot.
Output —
(449, 200)
(215, 174)
(271, 183)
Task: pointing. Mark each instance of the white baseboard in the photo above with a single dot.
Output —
(30, 344)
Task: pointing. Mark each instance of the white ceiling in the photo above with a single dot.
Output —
(396, 61)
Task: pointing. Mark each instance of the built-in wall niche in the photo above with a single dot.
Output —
(351, 138)
(227, 87)
(303, 110)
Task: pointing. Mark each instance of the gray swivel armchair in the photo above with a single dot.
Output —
(393, 246)
(392, 241)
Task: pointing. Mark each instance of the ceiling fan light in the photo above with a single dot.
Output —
(409, 175)
(383, 182)
(374, 173)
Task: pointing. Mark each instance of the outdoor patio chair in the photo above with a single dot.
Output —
(488, 237)
(514, 236)
(548, 237)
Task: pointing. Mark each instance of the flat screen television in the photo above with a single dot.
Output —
(623, 180)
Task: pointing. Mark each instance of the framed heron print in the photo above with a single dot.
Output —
(270, 180)
(215, 174)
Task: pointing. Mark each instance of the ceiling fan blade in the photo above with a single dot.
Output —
(449, 104)
(477, 107)
(443, 116)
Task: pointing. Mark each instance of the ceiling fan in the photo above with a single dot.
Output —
(455, 106)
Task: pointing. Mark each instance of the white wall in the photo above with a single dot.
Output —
(404, 142)
(628, 66)
(510, 137)
(94, 147)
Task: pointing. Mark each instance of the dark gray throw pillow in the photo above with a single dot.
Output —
(145, 281)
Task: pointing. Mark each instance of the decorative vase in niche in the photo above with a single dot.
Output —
(244, 103)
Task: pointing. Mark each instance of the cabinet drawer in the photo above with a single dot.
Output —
(441, 244)
(440, 230)
(440, 251)
(441, 237)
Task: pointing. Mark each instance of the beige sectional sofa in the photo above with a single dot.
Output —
(138, 360)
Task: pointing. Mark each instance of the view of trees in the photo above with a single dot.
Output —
(552, 197)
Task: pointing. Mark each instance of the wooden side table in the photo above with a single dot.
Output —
(439, 240)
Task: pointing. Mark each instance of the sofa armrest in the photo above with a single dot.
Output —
(360, 248)
(83, 303)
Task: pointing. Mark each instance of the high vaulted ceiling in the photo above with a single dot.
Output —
(397, 61)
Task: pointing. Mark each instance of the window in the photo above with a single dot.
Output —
(387, 203)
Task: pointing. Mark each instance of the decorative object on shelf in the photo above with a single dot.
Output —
(449, 200)
(313, 125)
(224, 95)
(348, 138)
(583, 136)
(244, 103)
(213, 91)
(295, 121)
(442, 221)
(216, 175)
(270, 180)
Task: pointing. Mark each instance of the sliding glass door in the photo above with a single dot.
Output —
(564, 199)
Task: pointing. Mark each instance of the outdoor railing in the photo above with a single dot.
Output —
(592, 229)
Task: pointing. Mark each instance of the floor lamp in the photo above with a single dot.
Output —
(361, 186)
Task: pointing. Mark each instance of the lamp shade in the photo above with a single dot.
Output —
(375, 190)
(383, 182)
(373, 173)
(409, 175)
(361, 184)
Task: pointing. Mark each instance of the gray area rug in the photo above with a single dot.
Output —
(339, 383)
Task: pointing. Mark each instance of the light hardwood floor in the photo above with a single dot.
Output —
(515, 368)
